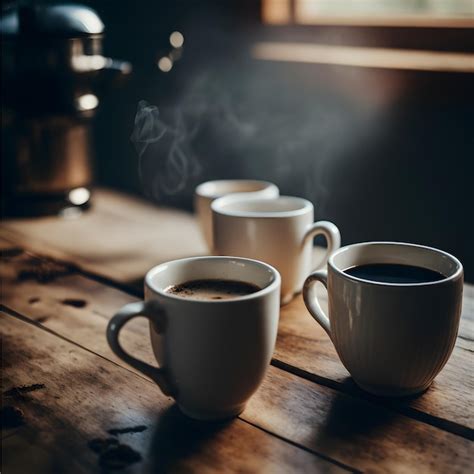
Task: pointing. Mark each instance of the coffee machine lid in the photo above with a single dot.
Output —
(66, 21)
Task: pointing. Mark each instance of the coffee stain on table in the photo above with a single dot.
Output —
(100, 445)
(74, 302)
(10, 253)
(19, 392)
(113, 454)
(119, 457)
(43, 271)
(130, 429)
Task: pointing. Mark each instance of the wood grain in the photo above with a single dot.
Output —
(86, 395)
(351, 430)
(302, 345)
(121, 237)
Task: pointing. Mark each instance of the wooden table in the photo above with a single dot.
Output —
(65, 392)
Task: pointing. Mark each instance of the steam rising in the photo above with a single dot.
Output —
(166, 147)
(231, 126)
(148, 127)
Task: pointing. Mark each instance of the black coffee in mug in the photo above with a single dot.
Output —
(394, 273)
(213, 289)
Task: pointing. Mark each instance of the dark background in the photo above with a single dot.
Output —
(385, 154)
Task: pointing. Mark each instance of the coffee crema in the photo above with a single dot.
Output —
(394, 273)
(212, 289)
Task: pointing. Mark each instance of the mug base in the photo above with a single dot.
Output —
(382, 391)
(213, 416)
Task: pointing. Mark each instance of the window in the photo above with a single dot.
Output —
(421, 35)
(369, 12)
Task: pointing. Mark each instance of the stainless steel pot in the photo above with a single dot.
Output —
(53, 76)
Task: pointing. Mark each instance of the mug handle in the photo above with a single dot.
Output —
(155, 313)
(331, 234)
(311, 299)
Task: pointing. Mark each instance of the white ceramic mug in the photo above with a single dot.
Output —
(212, 354)
(207, 192)
(393, 338)
(279, 231)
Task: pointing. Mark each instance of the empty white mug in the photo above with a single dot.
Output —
(278, 231)
(393, 338)
(207, 192)
(212, 354)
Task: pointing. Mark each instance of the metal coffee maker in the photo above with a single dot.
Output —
(53, 77)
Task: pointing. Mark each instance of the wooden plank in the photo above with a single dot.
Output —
(301, 343)
(85, 395)
(304, 345)
(63, 303)
(286, 405)
(121, 237)
(353, 430)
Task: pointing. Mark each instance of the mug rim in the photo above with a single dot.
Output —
(455, 275)
(257, 294)
(201, 188)
(218, 204)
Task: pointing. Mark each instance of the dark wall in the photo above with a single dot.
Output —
(385, 154)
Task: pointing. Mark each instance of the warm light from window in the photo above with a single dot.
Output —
(276, 12)
(385, 58)
(452, 13)
(307, 12)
